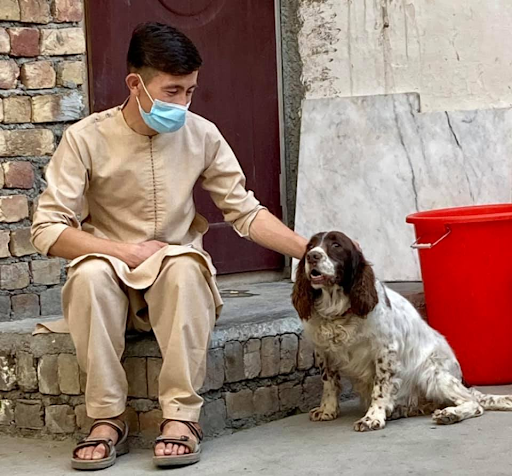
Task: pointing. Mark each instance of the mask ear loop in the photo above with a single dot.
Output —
(144, 86)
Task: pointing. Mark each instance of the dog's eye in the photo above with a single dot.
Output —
(335, 245)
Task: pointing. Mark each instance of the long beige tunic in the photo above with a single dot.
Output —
(107, 180)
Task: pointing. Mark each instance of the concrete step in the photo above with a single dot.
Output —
(296, 447)
(259, 369)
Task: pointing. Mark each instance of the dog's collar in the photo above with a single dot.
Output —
(347, 312)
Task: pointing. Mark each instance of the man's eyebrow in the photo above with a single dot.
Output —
(179, 86)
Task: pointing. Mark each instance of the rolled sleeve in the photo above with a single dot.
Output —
(63, 201)
(225, 181)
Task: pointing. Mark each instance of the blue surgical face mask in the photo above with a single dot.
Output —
(164, 116)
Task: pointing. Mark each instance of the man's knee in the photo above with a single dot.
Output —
(183, 269)
(94, 272)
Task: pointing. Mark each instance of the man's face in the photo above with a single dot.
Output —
(167, 88)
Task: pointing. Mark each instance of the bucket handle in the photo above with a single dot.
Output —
(427, 246)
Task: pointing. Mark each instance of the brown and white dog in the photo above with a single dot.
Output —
(367, 332)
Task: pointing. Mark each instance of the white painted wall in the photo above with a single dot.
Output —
(456, 53)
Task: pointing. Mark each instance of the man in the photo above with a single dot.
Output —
(119, 204)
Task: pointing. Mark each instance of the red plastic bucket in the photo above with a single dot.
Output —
(466, 264)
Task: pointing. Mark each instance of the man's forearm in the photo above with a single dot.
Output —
(73, 243)
(269, 232)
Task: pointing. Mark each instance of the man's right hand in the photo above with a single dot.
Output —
(136, 254)
(73, 243)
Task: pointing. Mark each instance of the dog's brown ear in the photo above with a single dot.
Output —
(303, 296)
(363, 294)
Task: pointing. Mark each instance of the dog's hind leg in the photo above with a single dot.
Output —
(450, 390)
(406, 411)
(493, 402)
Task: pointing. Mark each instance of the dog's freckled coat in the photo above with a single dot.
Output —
(375, 337)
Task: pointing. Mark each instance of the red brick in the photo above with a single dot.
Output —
(13, 208)
(38, 75)
(150, 423)
(24, 41)
(28, 142)
(18, 175)
(70, 74)
(46, 271)
(25, 306)
(57, 107)
(35, 11)
(5, 42)
(17, 109)
(9, 73)
(67, 10)
(20, 244)
(4, 244)
(63, 41)
(9, 10)
(14, 276)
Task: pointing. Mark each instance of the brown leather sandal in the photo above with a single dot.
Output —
(168, 461)
(112, 451)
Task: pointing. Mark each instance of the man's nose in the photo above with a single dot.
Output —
(181, 99)
(314, 257)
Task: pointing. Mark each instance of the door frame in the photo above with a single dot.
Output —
(283, 179)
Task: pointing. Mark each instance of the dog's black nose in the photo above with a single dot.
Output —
(314, 257)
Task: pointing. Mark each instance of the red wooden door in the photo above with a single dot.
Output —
(238, 91)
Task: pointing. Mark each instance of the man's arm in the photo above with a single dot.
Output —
(73, 243)
(225, 181)
(56, 228)
(269, 232)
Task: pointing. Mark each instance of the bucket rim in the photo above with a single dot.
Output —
(471, 214)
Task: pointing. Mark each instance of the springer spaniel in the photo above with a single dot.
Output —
(365, 331)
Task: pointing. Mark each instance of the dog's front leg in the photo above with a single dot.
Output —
(329, 407)
(385, 388)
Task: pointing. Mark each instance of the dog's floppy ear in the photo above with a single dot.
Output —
(363, 294)
(303, 295)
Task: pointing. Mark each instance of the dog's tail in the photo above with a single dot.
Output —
(493, 402)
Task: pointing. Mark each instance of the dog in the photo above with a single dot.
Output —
(372, 335)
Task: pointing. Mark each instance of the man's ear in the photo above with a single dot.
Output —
(134, 83)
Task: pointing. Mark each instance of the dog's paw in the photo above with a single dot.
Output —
(446, 416)
(322, 414)
(369, 424)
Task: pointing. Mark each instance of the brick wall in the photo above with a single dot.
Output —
(42, 73)
(248, 382)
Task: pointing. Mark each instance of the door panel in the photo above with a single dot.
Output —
(238, 91)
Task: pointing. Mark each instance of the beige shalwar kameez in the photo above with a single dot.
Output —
(107, 180)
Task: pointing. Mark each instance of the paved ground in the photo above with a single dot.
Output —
(295, 446)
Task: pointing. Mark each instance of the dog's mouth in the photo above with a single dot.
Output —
(319, 278)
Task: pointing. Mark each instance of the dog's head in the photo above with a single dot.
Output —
(333, 259)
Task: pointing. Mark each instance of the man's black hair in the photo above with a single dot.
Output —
(162, 48)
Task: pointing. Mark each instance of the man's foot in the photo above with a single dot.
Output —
(174, 429)
(98, 452)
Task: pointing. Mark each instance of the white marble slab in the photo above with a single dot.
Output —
(368, 162)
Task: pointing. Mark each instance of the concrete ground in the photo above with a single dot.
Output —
(297, 447)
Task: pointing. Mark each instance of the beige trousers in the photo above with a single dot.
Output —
(181, 312)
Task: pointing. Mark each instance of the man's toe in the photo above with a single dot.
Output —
(99, 453)
(160, 449)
